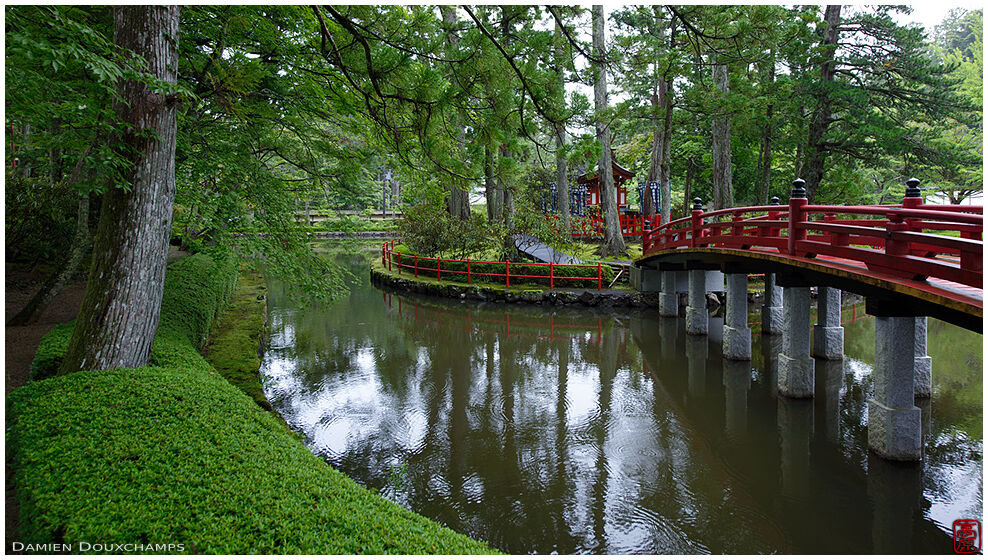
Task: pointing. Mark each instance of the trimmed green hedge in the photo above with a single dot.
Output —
(160, 456)
(177, 455)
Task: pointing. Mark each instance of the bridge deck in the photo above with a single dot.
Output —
(959, 299)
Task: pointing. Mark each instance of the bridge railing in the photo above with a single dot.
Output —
(911, 240)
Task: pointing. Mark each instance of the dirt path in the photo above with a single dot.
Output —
(22, 342)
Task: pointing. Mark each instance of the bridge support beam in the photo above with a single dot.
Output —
(894, 422)
(923, 372)
(795, 364)
(772, 306)
(645, 279)
(697, 317)
(828, 335)
(737, 335)
(669, 297)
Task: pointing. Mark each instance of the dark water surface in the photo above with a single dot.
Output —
(575, 430)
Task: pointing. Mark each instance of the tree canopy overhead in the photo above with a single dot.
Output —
(281, 108)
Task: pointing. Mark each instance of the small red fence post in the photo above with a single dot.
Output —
(399, 264)
(550, 275)
(468, 272)
(439, 269)
(416, 265)
(797, 199)
(599, 282)
(507, 274)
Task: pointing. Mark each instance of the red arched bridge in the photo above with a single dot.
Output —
(927, 257)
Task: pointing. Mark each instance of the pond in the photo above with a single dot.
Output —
(606, 431)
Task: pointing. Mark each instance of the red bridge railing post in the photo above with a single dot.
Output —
(797, 199)
(912, 199)
(696, 222)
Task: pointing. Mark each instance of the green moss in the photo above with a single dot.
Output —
(154, 455)
(233, 344)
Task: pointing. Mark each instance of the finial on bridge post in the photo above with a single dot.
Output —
(798, 189)
(912, 188)
(698, 203)
(774, 201)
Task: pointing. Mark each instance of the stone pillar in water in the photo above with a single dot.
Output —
(795, 363)
(894, 422)
(696, 311)
(923, 375)
(737, 335)
(772, 306)
(828, 335)
(669, 298)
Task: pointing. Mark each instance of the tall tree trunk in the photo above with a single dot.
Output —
(723, 196)
(122, 305)
(765, 150)
(655, 157)
(500, 191)
(657, 101)
(490, 188)
(613, 240)
(562, 181)
(816, 150)
(688, 188)
(666, 181)
(458, 199)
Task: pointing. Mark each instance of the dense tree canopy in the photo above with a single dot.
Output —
(283, 109)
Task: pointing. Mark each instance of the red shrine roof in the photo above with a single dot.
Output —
(620, 175)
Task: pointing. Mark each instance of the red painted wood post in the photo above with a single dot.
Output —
(468, 272)
(696, 222)
(773, 231)
(797, 199)
(507, 274)
(416, 265)
(550, 275)
(599, 284)
(892, 246)
(383, 246)
(912, 199)
(439, 270)
(399, 264)
(389, 261)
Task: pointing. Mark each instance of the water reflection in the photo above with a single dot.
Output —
(604, 431)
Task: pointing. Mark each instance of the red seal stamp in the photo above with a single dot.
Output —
(967, 536)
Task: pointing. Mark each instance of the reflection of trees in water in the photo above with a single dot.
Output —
(508, 451)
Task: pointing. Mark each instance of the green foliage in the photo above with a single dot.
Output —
(428, 229)
(39, 217)
(156, 455)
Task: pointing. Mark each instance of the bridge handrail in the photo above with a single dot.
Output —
(892, 240)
